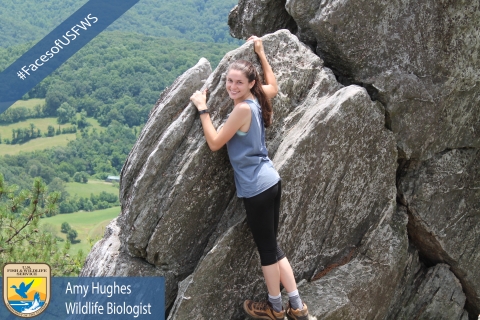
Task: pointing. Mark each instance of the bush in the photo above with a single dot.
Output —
(71, 235)
(65, 227)
(81, 177)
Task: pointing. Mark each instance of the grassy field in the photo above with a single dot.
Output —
(30, 104)
(39, 143)
(42, 124)
(87, 224)
(93, 186)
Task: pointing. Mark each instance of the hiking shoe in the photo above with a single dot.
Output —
(262, 310)
(295, 314)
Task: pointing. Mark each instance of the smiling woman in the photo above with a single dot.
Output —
(256, 179)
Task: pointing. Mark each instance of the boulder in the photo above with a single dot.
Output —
(442, 197)
(340, 224)
(337, 163)
(419, 58)
(434, 293)
(259, 18)
(361, 288)
(174, 191)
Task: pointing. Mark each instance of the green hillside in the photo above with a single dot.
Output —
(194, 20)
(118, 76)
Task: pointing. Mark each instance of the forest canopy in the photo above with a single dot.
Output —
(194, 20)
(118, 76)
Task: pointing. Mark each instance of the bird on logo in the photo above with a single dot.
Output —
(23, 289)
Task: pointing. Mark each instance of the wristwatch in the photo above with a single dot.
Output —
(203, 111)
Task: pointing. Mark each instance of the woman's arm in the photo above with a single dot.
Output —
(215, 140)
(271, 88)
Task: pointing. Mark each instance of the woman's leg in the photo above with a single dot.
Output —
(286, 275)
(260, 218)
(263, 212)
(261, 221)
(271, 274)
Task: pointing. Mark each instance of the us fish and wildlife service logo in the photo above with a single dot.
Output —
(26, 288)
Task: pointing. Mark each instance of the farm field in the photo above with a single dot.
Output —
(36, 144)
(89, 225)
(29, 104)
(42, 124)
(93, 186)
(39, 143)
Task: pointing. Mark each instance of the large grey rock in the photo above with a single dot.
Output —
(420, 60)
(443, 200)
(174, 190)
(427, 293)
(361, 288)
(421, 56)
(259, 18)
(326, 213)
(438, 296)
(339, 219)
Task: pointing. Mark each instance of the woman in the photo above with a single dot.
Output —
(256, 180)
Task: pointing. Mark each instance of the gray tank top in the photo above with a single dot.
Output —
(253, 169)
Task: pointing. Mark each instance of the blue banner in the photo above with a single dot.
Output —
(99, 298)
(59, 45)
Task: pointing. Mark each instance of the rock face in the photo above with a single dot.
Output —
(420, 59)
(442, 197)
(246, 19)
(435, 294)
(378, 156)
(342, 132)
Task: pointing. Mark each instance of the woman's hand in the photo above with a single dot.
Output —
(271, 88)
(199, 99)
(257, 44)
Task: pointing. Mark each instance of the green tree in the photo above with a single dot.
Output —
(82, 120)
(65, 227)
(58, 185)
(81, 177)
(65, 113)
(21, 239)
(53, 101)
(50, 131)
(71, 235)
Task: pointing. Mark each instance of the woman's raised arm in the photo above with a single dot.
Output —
(271, 87)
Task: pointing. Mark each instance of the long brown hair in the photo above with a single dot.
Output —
(251, 73)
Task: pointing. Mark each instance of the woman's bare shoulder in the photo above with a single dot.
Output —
(242, 106)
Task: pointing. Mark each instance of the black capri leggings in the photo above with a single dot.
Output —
(263, 212)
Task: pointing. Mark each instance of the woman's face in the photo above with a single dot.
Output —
(237, 85)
